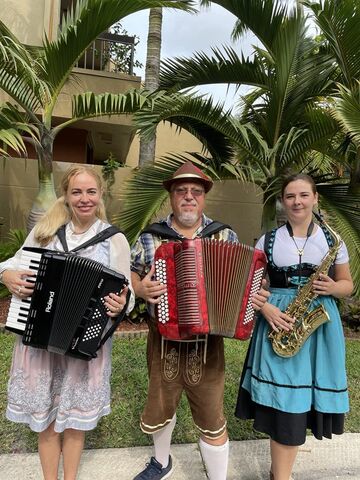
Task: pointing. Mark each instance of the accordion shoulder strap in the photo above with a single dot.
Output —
(99, 237)
(212, 228)
(162, 230)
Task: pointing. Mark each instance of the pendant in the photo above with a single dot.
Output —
(300, 252)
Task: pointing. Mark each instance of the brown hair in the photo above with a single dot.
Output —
(298, 176)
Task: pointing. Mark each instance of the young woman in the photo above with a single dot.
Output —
(285, 396)
(53, 393)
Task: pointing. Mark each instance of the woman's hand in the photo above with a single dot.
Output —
(18, 282)
(325, 285)
(116, 303)
(277, 319)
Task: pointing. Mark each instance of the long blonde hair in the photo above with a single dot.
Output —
(60, 213)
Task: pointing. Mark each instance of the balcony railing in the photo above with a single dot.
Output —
(110, 53)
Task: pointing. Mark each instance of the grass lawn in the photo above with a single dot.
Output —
(129, 385)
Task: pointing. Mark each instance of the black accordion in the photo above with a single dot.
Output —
(66, 312)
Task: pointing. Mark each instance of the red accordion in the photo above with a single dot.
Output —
(209, 288)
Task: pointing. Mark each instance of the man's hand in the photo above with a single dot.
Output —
(147, 288)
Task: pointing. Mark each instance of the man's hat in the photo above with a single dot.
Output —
(189, 172)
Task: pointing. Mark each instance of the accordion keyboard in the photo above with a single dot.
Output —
(19, 307)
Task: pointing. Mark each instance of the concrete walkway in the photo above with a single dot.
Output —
(249, 460)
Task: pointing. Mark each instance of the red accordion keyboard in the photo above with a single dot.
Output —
(209, 288)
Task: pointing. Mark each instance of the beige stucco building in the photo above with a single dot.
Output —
(92, 140)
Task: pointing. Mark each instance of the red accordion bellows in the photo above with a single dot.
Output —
(209, 288)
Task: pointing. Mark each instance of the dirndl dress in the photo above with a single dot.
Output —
(46, 387)
(285, 396)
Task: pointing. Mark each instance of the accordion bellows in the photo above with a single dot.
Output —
(209, 288)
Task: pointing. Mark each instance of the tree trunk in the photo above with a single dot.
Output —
(152, 69)
(46, 195)
(268, 221)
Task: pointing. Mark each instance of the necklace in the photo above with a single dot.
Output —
(73, 232)
(300, 251)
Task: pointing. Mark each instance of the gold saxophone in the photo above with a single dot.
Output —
(287, 344)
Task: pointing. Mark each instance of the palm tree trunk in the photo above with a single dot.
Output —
(268, 220)
(46, 195)
(147, 148)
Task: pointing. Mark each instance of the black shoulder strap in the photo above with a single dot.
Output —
(162, 230)
(212, 228)
(99, 237)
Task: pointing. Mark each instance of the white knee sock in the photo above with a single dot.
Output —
(216, 459)
(162, 442)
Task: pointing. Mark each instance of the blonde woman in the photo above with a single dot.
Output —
(52, 393)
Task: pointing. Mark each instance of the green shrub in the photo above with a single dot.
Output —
(8, 248)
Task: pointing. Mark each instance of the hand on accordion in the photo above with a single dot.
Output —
(18, 283)
(260, 298)
(115, 303)
(149, 289)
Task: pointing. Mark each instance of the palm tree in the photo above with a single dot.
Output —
(277, 125)
(285, 125)
(339, 22)
(33, 78)
(147, 147)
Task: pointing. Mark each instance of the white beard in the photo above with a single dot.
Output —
(188, 219)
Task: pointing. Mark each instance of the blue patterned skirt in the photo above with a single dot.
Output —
(309, 390)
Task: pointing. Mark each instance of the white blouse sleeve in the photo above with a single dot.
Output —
(260, 243)
(120, 261)
(14, 262)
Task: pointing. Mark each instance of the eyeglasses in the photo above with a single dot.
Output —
(195, 192)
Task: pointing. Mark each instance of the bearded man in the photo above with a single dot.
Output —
(177, 366)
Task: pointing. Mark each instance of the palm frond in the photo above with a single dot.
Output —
(221, 67)
(319, 126)
(13, 124)
(262, 17)
(91, 105)
(19, 72)
(143, 195)
(344, 212)
(339, 22)
(347, 111)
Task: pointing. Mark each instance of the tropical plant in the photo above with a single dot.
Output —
(121, 55)
(34, 77)
(8, 248)
(286, 122)
(110, 166)
(338, 21)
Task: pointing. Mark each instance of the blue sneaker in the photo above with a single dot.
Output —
(154, 470)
